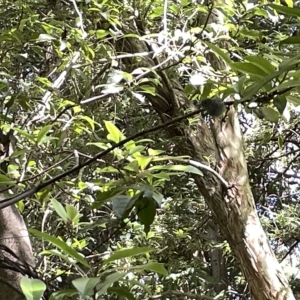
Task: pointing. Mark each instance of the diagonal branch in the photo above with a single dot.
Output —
(28, 193)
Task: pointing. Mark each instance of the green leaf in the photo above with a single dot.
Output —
(239, 86)
(129, 252)
(103, 196)
(219, 52)
(115, 134)
(89, 120)
(148, 89)
(280, 103)
(60, 210)
(25, 134)
(61, 295)
(120, 205)
(248, 68)
(270, 114)
(156, 12)
(162, 175)
(136, 149)
(109, 280)
(287, 84)
(146, 211)
(182, 168)
(33, 289)
(123, 293)
(57, 253)
(61, 245)
(129, 145)
(143, 161)
(290, 3)
(188, 89)
(102, 33)
(73, 214)
(42, 133)
(254, 88)
(293, 100)
(290, 62)
(99, 145)
(45, 37)
(156, 267)
(290, 11)
(6, 180)
(144, 141)
(154, 152)
(85, 285)
(292, 40)
(132, 166)
(261, 63)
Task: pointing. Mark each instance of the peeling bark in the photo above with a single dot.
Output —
(233, 209)
(13, 234)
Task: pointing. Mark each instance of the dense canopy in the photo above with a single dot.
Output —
(149, 149)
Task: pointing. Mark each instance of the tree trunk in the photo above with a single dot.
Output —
(233, 208)
(14, 236)
(218, 266)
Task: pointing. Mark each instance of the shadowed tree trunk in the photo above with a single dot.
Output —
(218, 266)
(13, 235)
(233, 208)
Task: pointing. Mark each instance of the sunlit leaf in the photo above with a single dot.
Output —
(248, 68)
(156, 12)
(61, 245)
(261, 63)
(73, 214)
(100, 145)
(148, 89)
(155, 267)
(132, 166)
(42, 133)
(255, 87)
(85, 285)
(129, 252)
(115, 134)
(60, 209)
(89, 120)
(290, 11)
(143, 161)
(102, 33)
(136, 149)
(45, 37)
(187, 169)
(33, 289)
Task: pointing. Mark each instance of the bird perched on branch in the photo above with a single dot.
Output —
(213, 107)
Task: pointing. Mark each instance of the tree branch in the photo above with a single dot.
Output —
(28, 193)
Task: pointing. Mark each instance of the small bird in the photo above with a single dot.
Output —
(213, 107)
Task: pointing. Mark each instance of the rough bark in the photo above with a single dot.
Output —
(13, 235)
(233, 209)
(218, 266)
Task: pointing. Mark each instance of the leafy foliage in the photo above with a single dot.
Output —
(133, 225)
